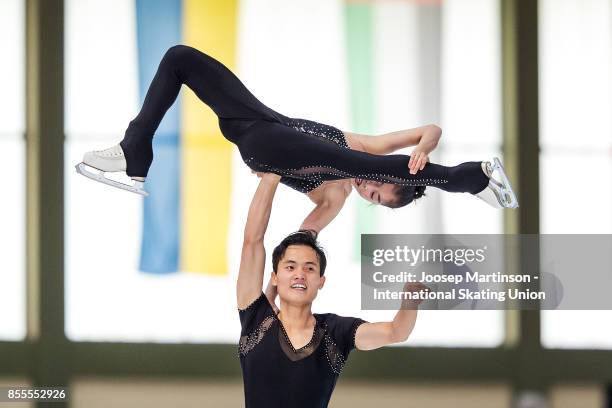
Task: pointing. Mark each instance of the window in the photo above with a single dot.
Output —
(108, 298)
(12, 145)
(441, 64)
(576, 144)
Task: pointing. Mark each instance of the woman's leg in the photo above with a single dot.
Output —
(274, 147)
(466, 177)
(209, 79)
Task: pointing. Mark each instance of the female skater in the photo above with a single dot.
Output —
(311, 157)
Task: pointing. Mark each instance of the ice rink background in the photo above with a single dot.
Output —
(108, 299)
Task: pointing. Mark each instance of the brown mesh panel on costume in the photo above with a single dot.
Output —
(303, 352)
(248, 342)
(308, 171)
(334, 356)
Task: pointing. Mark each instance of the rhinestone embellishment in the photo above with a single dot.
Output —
(248, 343)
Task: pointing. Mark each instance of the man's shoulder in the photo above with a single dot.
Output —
(333, 318)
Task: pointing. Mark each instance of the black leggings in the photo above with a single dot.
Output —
(269, 141)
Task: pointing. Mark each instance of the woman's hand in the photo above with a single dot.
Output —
(420, 155)
(418, 158)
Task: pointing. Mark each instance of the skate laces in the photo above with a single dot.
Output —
(114, 151)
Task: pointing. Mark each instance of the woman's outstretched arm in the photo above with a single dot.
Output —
(425, 138)
(391, 142)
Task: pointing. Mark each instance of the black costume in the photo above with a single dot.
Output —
(304, 152)
(275, 374)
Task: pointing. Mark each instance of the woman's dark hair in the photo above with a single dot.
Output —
(404, 195)
(301, 237)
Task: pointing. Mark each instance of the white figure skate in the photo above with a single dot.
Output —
(109, 160)
(498, 193)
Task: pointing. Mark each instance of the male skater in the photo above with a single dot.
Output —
(293, 358)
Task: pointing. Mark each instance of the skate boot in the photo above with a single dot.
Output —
(110, 160)
(498, 193)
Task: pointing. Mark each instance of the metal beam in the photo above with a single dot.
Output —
(413, 363)
(45, 191)
(16, 359)
(410, 363)
(521, 156)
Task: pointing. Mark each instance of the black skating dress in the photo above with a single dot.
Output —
(304, 152)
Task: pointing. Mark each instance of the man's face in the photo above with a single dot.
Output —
(297, 276)
(375, 191)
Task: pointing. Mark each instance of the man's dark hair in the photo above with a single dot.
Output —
(404, 195)
(301, 237)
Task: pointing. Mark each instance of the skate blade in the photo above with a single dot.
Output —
(492, 195)
(510, 200)
(498, 193)
(137, 188)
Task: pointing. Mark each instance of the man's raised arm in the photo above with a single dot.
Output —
(370, 336)
(252, 262)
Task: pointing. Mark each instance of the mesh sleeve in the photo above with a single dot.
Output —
(342, 331)
(321, 130)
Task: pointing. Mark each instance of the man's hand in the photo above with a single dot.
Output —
(269, 176)
(261, 174)
(420, 155)
(414, 287)
(370, 336)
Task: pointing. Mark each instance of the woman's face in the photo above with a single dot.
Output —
(374, 191)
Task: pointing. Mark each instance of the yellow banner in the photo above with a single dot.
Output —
(210, 26)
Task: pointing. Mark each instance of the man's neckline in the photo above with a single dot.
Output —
(312, 337)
